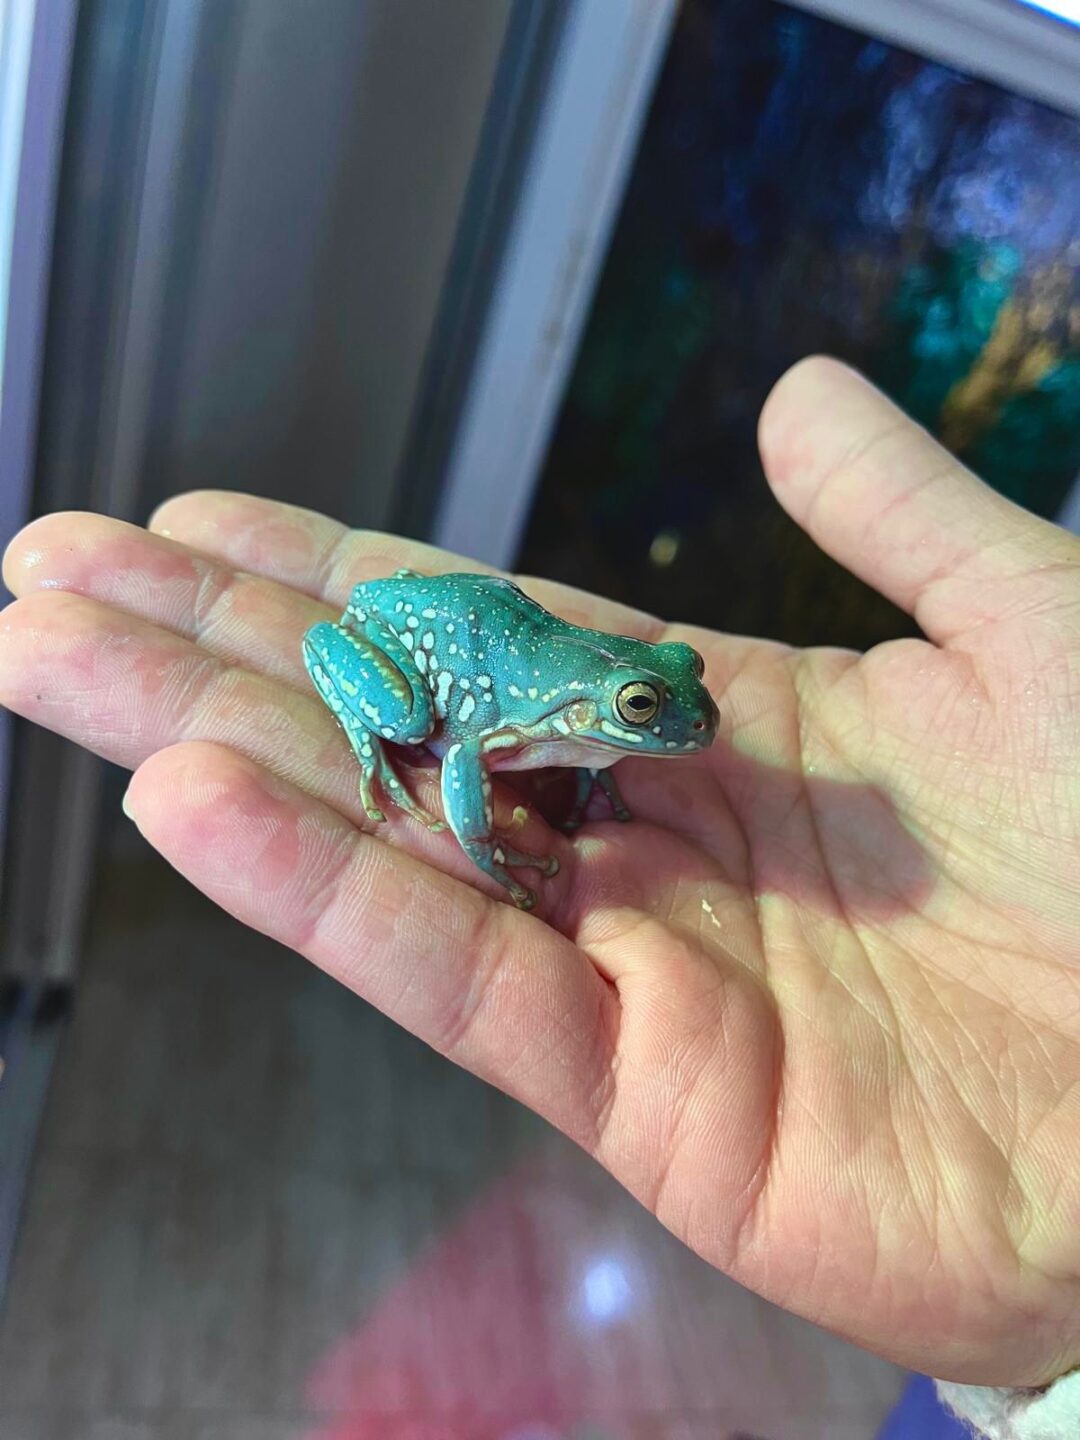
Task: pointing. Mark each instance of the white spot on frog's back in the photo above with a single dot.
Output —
(407, 640)
(413, 623)
(467, 706)
(428, 640)
(428, 614)
(442, 692)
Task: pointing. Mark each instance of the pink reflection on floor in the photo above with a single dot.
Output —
(536, 1316)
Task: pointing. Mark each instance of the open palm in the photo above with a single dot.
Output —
(818, 1007)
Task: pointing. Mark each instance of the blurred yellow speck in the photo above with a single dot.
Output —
(664, 548)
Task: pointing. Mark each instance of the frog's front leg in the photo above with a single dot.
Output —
(466, 792)
(372, 686)
(587, 779)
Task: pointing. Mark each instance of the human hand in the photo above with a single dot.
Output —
(818, 1007)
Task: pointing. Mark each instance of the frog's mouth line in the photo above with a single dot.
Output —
(608, 736)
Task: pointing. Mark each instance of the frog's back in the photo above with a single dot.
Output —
(486, 602)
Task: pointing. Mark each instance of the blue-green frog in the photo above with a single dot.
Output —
(475, 672)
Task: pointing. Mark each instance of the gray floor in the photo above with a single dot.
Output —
(259, 1211)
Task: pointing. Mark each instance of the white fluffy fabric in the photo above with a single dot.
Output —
(1050, 1414)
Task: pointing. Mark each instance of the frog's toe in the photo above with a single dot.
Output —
(523, 898)
(547, 864)
(367, 797)
(433, 823)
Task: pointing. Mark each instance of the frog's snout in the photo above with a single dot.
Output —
(707, 724)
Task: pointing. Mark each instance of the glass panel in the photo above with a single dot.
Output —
(800, 188)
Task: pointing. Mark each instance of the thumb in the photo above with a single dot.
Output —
(887, 501)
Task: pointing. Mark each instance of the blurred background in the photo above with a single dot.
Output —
(514, 276)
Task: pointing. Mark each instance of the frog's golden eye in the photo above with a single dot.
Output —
(636, 704)
(699, 665)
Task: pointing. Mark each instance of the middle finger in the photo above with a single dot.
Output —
(240, 618)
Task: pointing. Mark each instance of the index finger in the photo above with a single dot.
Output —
(325, 559)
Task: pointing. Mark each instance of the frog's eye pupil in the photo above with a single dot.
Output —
(636, 704)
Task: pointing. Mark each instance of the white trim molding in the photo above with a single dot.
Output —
(1011, 43)
(587, 137)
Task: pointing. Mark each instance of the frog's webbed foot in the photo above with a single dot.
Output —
(376, 766)
(493, 857)
(587, 779)
(466, 791)
(393, 787)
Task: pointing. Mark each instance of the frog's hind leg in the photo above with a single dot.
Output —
(466, 791)
(587, 780)
(364, 687)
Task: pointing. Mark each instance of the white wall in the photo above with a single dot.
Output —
(341, 162)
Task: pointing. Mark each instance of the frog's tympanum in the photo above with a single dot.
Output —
(479, 675)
